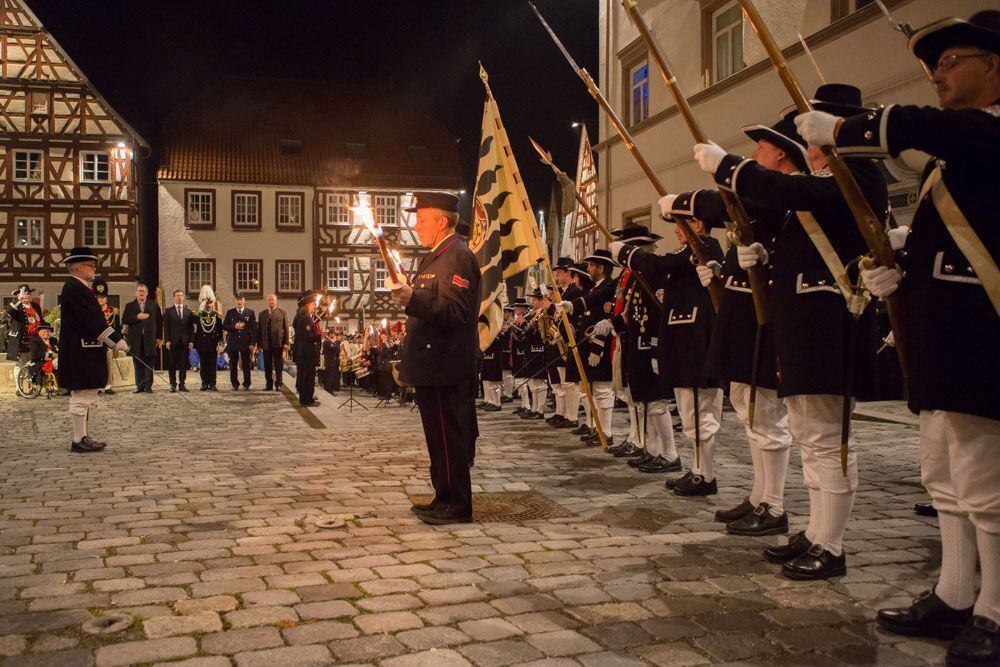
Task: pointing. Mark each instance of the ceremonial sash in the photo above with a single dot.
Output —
(856, 304)
(964, 236)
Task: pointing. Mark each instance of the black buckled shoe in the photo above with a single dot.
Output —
(661, 464)
(506, 399)
(582, 429)
(536, 415)
(815, 563)
(978, 644)
(628, 450)
(759, 522)
(519, 410)
(642, 459)
(590, 437)
(927, 616)
(491, 408)
(695, 485)
(736, 513)
(568, 423)
(619, 446)
(673, 483)
(83, 447)
(797, 545)
(924, 509)
(90, 442)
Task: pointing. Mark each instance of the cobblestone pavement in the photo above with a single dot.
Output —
(199, 523)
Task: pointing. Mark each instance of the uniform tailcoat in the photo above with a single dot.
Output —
(82, 361)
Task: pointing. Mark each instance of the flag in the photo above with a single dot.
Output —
(504, 232)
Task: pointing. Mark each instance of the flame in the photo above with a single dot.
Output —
(337, 319)
(385, 323)
(316, 301)
(366, 214)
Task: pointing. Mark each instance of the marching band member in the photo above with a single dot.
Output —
(307, 341)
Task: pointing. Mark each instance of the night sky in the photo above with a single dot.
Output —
(147, 57)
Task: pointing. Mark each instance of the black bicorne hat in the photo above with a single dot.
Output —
(601, 256)
(80, 254)
(307, 296)
(564, 263)
(520, 303)
(27, 290)
(45, 325)
(785, 136)
(982, 30)
(636, 235)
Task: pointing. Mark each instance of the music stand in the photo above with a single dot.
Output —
(351, 401)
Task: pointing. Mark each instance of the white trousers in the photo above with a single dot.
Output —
(491, 392)
(571, 402)
(634, 434)
(80, 401)
(525, 392)
(508, 383)
(814, 423)
(604, 400)
(659, 427)
(709, 422)
(539, 390)
(769, 442)
(110, 354)
(559, 391)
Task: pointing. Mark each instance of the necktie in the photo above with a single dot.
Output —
(142, 306)
(180, 311)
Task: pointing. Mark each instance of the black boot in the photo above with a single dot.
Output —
(927, 616)
(695, 485)
(674, 482)
(738, 512)
(582, 429)
(978, 644)
(797, 545)
(815, 563)
(759, 522)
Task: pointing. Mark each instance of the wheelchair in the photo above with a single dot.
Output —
(31, 381)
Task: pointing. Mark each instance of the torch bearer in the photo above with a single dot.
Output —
(367, 217)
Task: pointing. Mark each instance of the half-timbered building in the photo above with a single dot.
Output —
(257, 182)
(67, 165)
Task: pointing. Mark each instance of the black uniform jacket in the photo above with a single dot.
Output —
(492, 363)
(238, 340)
(954, 329)
(638, 329)
(442, 327)
(178, 329)
(307, 340)
(812, 326)
(18, 328)
(731, 349)
(532, 358)
(207, 331)
(83, 334)
(142, 334)
(572, 373)
(685, 325)
(591, 308)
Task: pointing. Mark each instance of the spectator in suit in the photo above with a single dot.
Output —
(144, 322)
(240, 325)
(178, 326)
(272, 338)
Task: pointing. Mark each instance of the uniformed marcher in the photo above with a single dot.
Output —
(207, 335)
(491, 372)
(536, 353)
(83, 334)
(582, 283)
(569, 388)
(439, 353)
(25, 318)
(307, 343)
(815, 316)
(595, 349)
(507, 363)
(951, 288)
(113, 317)
(240, 325)
(519, 356)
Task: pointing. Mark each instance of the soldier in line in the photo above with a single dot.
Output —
(535, 350)
(240, 325)
(519, 355)
(207, 335)
(491, 374)
(951, 287)
(582, 284)
(568, 408)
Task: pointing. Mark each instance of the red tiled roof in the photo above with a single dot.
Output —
(233, 134)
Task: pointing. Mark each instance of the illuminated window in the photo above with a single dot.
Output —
(246, 209)
(386, 209)
(247, 275)
(338, 209)
(338, 274)
(28, 232)
(639, 77)
(95, 167)
(28, 166)
(95, 232)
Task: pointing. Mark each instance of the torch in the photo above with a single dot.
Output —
(367, 216)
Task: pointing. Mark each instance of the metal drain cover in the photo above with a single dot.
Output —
(511, 506)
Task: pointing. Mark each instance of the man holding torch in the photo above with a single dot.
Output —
(439, 352)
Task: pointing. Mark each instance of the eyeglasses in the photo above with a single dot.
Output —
(949, 63)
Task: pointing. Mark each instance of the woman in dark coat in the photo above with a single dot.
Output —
(307, 341)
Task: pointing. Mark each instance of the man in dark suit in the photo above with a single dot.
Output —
(439, 353)
(177, 328)
(272, 338)
(240, 326)
(144, 322)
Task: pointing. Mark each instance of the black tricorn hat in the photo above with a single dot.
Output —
(520, 303)
(80, 254)
(564, 263)
(982, 30)
(307, 296)
(27, 290)
(445, 201)
(785, 136)
(839, 99)
(100, 287)
(538, 294)
(636, 235)
(581, 270)
(601, 256)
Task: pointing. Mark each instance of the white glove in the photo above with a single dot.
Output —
(594, 359)
(121, 346)
(667, 205)
(818, 128)
(751, 255)
(656, 366)
(565, 306)
(708, 156)
(890, 340)
(881, 281)
(603, 328)
(615, 248)
(898, 236)
(708, 272)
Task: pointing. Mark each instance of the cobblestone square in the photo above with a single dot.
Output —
(199, 523)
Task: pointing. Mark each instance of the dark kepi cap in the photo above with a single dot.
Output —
(308, 295)
(785, 136)
(27, 290)
(238, 295)
(445, 201)
(100, 287)
(601, 256)
(982, 30)
(564, 263)
(80, 254)
(636, 235)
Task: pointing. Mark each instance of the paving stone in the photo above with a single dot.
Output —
(328, 592)
(71, 658)
(503, 652)
(609, 659)
(232, 642)
(205, 661)
(218, 603)
(150, 650)
(366, 649)
(489, 629)
(13, 644)
(270, 598)
(322, 631)
(47, 643)
(670, 655)
(391, 621)
(427, 638)
(562, 642)
(448, 614)
(390, 603)
(187, 624)
(300, 656)
(617, 635)
(328, 609)
(255, 616)
(434, 658)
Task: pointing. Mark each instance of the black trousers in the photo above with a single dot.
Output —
(143, 374)
(331, 377)
(245, 360)
(177, 355)
(305, 381)
(444, 412)
(273, 363)
(208, 366)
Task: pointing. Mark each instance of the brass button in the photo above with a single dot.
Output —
(868, 134)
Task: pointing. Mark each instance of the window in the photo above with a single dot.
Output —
(386, 209)
(28, 233)
(39, 103)
(338, 209)
(380, 275)
(198, 272)
(28, 166)
(289, 206)
(727, 41)
(95, 232)
(199, 208)
(95, 167)
(246, 210)
(639, 99)
(248, 275)
(290, 274)
(338, 274)
(638, 216)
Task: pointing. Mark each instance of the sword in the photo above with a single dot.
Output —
(159, 374)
